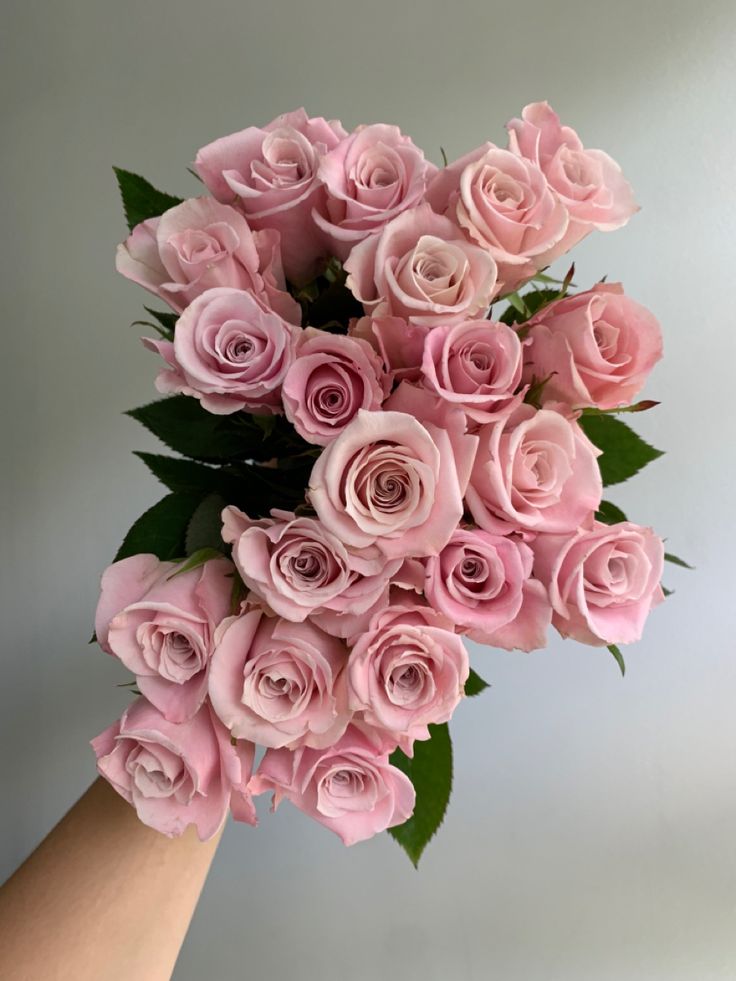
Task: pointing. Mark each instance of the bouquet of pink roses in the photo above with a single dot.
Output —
(393, 430)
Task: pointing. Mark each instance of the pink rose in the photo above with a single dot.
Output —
(422, 269)
(478, 578)
(504, 204)
(177, 775)
(399, 344)
(370, 178)
(588, 182)
(534, 471)
(602, 582)
(388, 480)
(279, 683)
(475, 365)
(350, 787)
(161, 623)
(200, 244)
(229, 351)
(299, 569)
(272, 174)
(407, 671)
(331, 378)
(596, 348)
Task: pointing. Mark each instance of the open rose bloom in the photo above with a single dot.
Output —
(393, 433)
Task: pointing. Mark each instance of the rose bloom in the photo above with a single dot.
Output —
(298, 568)
(200, 244)
(475, 365)
(331, 377)
(161, 622)
(504, 204)
(272, 175)
(279, 683)
(588, 182)
(596, 348)
(407, 671)
(421, 268)
(229, 351)
(534, 471)
(369, 178)
(388, 480)
(399, 344)
(350, 788)
(602, 581)
(177, 775)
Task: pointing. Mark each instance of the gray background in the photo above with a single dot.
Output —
(591, 833)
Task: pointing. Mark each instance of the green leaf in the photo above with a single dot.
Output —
(609, 514)
(181, 476)
(166, 320)
(430, 770)
(624, 452)
(676, 560)
(444, 156)
(205, 527)
(161, 529)
(619, 658)
(522, 308)
(475, 684)
(185, 427)
(667, 592)
(195, 560)
(141, 200)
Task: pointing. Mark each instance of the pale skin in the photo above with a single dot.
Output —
(102, 898)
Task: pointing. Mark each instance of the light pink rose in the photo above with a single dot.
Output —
(350, 787)
(161, 622)
(229, 351)
(504, 204)
(595, 348)
(588, 182)
(388, 480)
(200, 244)
(399, 344)
(370, 178)
(478, 578)
(475, 365)
(272, 174)
(331, 378)
(177, 775)
(406, 672)
(279, 683)
(602, 581)
(421, 268)
(534, 471)
(299, 569)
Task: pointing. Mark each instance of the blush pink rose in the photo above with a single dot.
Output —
(350, 788)
(299, 569)
(534, 471)
(503, 203)
(369, 178)
(229, 351)
(331, 378)
(177, 775)
(200, 244)
(595, 348)
(602, 581)
(161, 622)
(475, 365)
(588, 182)
(272, 175)
(279, 683)
(406, 672)
(399, 344)
(478, 578)
(387, 480)
(421, 268)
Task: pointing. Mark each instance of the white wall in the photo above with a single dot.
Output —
(591, 833)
